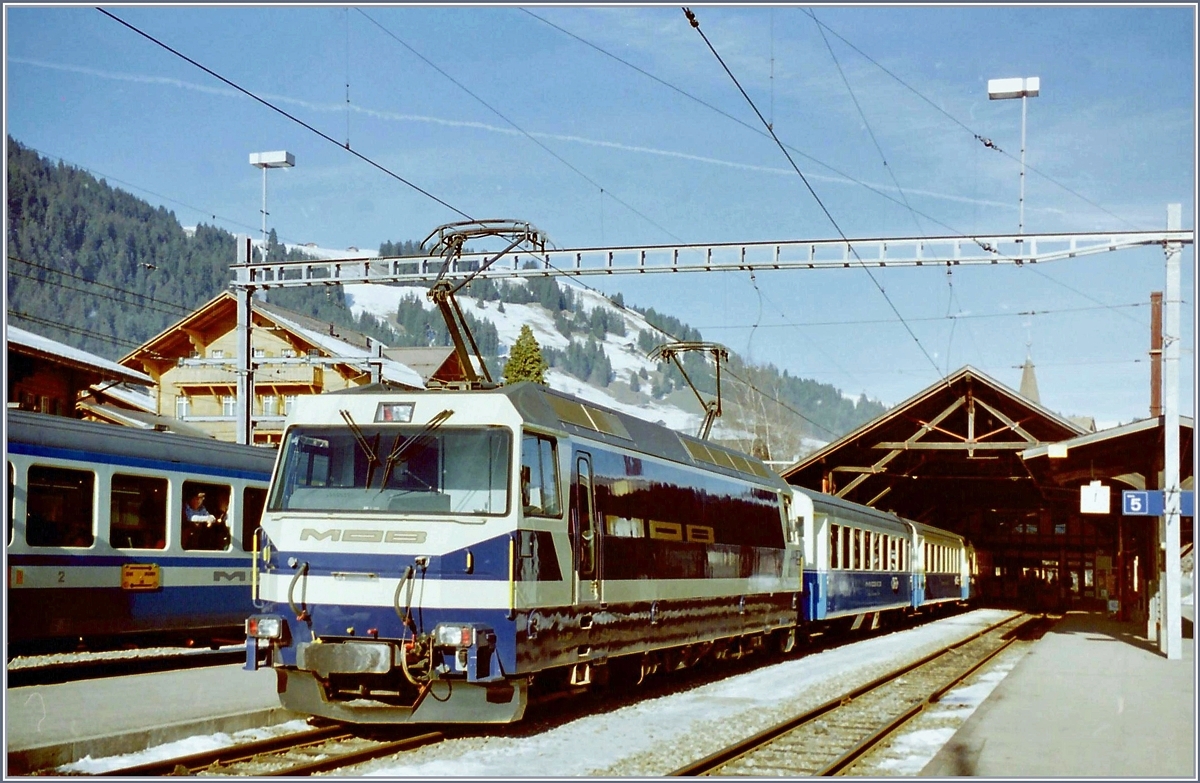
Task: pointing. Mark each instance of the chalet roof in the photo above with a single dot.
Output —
(436, 361)
(326, 337)
(956, 443)
(44, 348)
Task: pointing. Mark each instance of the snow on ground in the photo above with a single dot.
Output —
(656, 736)
(89, 766)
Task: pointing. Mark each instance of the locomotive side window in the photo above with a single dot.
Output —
(58, 507)
(11, 480)
(138, 512)
(253, 500)
(539, 476)
(205, 508)
(586, 521)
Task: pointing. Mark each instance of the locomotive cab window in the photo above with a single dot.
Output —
(389, 469)
(59, 507)
(539, 476)
(205, 512)
(138, 512)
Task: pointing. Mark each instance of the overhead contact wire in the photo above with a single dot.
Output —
(521, 130)
(291, 117)
(696, 24)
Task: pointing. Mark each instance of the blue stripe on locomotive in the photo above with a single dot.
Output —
(836, 593)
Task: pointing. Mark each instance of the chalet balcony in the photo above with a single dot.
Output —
(277, 376)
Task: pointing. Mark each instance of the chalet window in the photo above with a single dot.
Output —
(289, 402)
(270, 404)
(216, 353)
(183, 406)
(228, 405)
(288, 353)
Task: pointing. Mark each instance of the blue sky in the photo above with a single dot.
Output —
(622, 159)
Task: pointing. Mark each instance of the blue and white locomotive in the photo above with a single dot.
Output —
(98, 548)
(432, 556)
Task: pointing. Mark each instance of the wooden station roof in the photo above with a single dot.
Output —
(953, 448)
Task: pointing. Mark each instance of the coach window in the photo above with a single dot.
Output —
(205, 507)
(59, 509)
(253, 500)
(539, 476)
(835, 560)
(138, 512)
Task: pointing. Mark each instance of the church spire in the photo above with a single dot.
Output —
(1029, 387)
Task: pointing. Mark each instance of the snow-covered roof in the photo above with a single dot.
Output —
(62, 353)
(391, 370)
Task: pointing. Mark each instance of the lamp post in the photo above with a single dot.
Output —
(1001, 89)
(270, 160)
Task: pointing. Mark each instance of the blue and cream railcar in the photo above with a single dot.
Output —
(432, 553)
(858, 558)
(943, 566)
(96, 546)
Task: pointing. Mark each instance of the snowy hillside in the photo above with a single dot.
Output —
(381, 302)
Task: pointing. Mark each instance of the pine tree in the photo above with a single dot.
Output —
(525, 363)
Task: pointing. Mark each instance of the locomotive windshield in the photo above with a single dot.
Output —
(394, 470)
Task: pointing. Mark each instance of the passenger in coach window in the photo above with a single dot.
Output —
(203, 530)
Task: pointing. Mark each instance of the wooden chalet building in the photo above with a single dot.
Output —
(193, 364)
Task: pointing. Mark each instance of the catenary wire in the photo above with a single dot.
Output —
(748, 126)
(294, 119)
(696, 24)
(177, 308)
(958, 122)
(527, 135)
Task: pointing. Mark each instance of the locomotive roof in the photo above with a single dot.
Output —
(544, 406)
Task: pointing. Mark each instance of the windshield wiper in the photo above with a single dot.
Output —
(398, 448)
(367, 448)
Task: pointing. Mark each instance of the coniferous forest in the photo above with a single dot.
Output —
(97, 268)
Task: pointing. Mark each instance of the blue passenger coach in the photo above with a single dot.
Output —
(97, 546)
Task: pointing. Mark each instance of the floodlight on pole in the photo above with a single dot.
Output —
(1002, 89)
(269, 160)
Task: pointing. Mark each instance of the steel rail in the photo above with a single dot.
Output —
(357, 756)
(745, 747)
(231, 754)
(862, 748)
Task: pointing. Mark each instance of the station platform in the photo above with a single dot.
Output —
(1093, 698)
(50, 725)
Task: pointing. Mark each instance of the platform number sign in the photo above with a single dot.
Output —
(1149, 503)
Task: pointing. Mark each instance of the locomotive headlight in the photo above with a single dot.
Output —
(264, 626)
(454, 635)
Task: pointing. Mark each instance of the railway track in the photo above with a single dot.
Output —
(831, 737)
(96, 668)
(292, 755)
